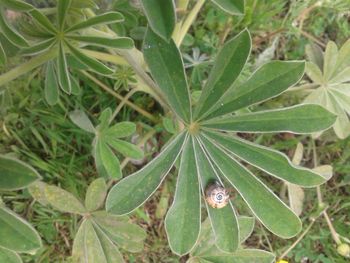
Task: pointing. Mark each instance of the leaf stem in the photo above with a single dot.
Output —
(119, 97)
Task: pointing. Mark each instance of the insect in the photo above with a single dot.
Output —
(216, 195)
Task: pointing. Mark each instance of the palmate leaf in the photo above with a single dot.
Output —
(100, 234)
(216, 161)
(3, 57)
(51, 84)
(161, 16)
(16, 5)
(11, 34)
(62, 10)
(330, 81)
(118, 42)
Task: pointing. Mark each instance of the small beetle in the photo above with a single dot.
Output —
(216, 195)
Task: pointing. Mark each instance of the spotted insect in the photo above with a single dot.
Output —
(216, 195)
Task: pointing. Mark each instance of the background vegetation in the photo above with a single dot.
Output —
(46, 138)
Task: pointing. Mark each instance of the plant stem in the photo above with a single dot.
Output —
(122, 103)
(115, 59)
(285, 253)
(119, 97)
(334, 233)
(188, 22)
(26, 67)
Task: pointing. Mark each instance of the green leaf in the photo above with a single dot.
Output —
(63, 73)
(51, 84)
(17, 234)
(118, 42)
(16, 5)
(62, 200)
(330, 60)
(227, 67)
(127, 149)
(106, 18)
(314, 54)
(91, 245)
(8, 256)
(104, 119)
(3, 57)
(10, 34)
(62, 10)
(314, 73)
(126, 235)
(233, 7)
(75, 86)
(120, 130)
(96, 194)
(15, 174)
(246, 227)
(165, 63)
(242, 256)
(91, 63)
(82, 121)
(161, 16)
(343, 57)
(38, 48)
(43, 21)
(268, 160)
(224, 220)
(268, 81)
(143, 183)
(109, 161)
(183, 219)
(305, 118)
(266, 206)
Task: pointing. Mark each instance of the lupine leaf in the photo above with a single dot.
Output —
(266, 206)
(161, 16)
(183, 233)
(38, 48)
(3, 57)
(242, 256)
(106, 18)
(233, 7)
(16, 234)
(16, 5)
(96, 194)
(43, 21)
(92, 63)
(224, 220)
(165, 63)
(110, 162)
(62, 10)
(51, 84)
(82, 121)
(246, 227)
(119, 42)
(120, 130)
(268, 81)
(63, 200)
(330, 60)
(268, 160)
(125, 148)
(8, 256)
(227, 67)
(15, 174)
(143, 183)
(305, 118)
(10, 34)
(62, 72)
